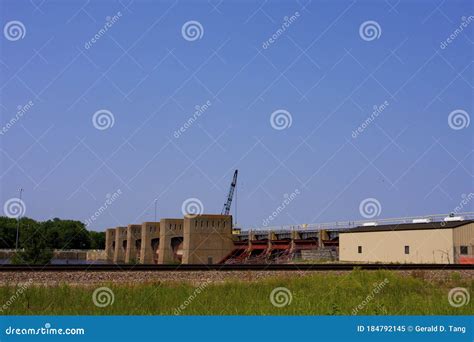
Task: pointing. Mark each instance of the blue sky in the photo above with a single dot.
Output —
(322, 71)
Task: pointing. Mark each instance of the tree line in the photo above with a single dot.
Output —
(37, 240)
(54, 234)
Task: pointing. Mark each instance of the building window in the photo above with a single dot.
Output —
(359, 249)
(463, 250)
(407, 249)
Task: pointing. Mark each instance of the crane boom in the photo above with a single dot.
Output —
(228, 203)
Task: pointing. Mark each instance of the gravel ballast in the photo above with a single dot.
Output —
(193, 277)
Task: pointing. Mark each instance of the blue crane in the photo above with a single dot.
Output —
(228, 203)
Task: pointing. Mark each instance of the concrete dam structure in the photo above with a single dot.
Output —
(197, 239)
(212, 239)
(208, 239)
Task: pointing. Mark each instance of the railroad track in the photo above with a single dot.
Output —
(237, 267)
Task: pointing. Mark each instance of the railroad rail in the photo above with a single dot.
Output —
(231, 267)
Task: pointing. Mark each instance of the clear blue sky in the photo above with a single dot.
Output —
(319, 69)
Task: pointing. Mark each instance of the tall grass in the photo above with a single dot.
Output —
(317, 294)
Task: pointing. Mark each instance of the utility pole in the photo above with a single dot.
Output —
(156, 200)
(18, 222)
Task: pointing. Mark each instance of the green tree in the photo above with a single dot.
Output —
(35, 249)
(67, 234)
(7, 232)
(8, 228)
(97, 239)
(57, 234)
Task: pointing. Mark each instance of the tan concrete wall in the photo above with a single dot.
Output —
(426, 246)
(69, 254)
(169, 229)
(109, 243)
(464, 236)
(207, 239)
(96, 255)
(134, 234)
(120, 237)
(322, 235)
(150, 231)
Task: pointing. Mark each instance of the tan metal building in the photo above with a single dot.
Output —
(429, 242)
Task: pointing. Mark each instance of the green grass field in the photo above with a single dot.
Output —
(358, 292)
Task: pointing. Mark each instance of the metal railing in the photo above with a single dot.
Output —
(342, 225)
